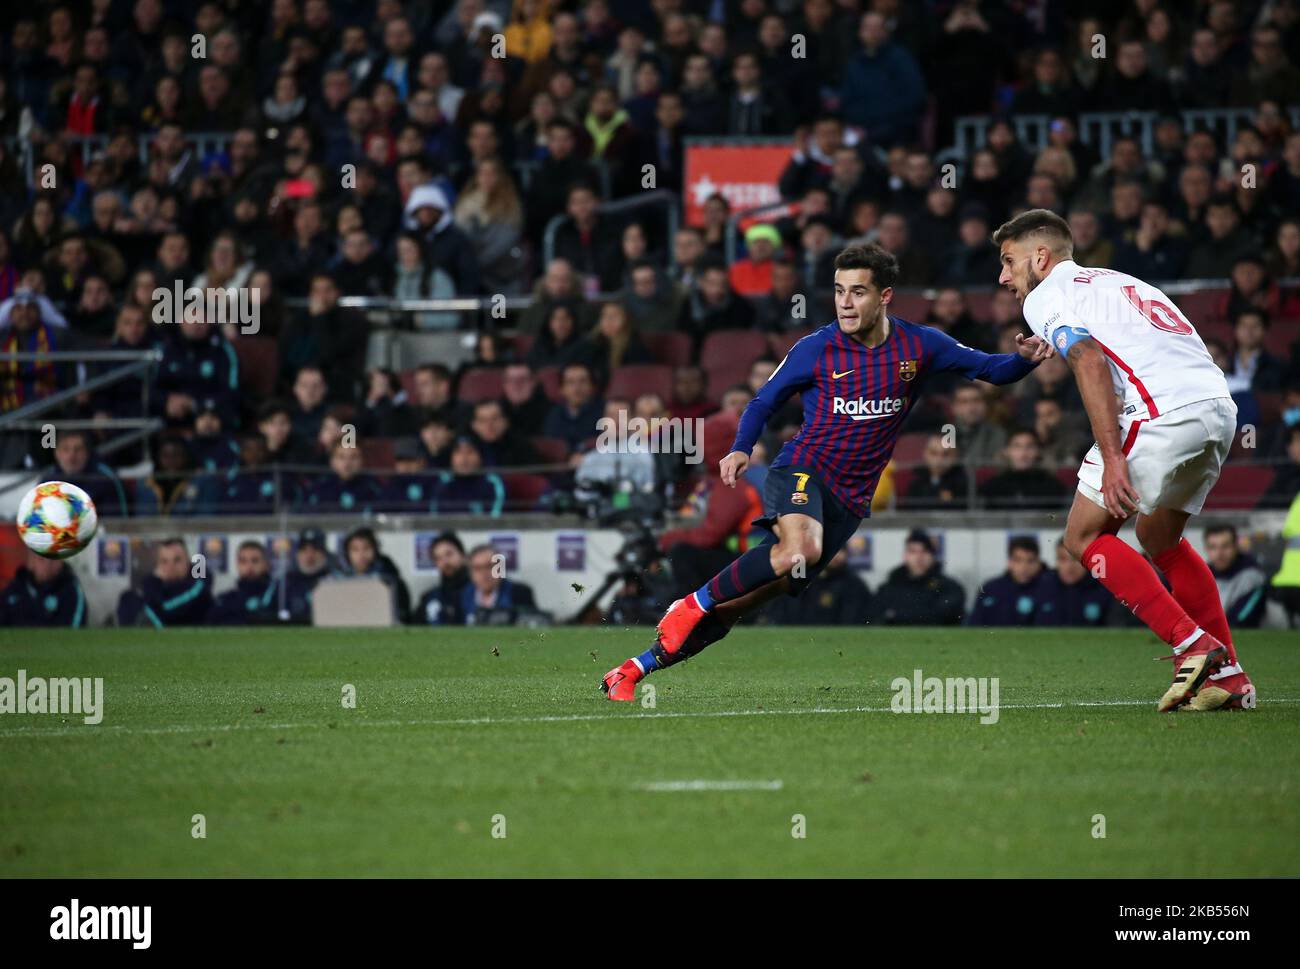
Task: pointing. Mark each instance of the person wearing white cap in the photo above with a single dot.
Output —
(429, 212)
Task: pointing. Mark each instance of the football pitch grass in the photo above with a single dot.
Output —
(461, 736)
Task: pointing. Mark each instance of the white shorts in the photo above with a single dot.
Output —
(1174, 459)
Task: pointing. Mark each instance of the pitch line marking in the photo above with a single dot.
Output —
(712, 786)
(567, 718)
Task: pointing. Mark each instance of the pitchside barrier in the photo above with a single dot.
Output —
(564, 565)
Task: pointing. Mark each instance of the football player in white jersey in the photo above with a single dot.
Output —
(1163, 420)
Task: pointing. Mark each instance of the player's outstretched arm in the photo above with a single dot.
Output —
(1092, 373)
(995, 368)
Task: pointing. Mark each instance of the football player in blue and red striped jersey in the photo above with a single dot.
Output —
(858, 378)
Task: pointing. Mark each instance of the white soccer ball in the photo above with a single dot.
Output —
(57, 519)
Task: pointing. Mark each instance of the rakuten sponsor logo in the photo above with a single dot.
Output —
(862, 409)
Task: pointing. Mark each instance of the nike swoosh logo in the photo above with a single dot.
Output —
(837, 376)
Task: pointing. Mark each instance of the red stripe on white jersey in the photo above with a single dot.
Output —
(1133, 378)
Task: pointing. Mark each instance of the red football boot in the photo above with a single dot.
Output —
(682, 617)
(620, 682)
(1192, 667)
(1228, 689)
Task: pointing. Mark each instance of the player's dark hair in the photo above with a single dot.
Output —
(1036, 222)
(1024, 543)
(881, 262)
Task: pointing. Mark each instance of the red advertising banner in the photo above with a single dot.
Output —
(744, 174)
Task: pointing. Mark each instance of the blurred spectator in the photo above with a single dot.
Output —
(524, 401)
(467, 489)
(362, 556)
(411, 487)
(24, 331)
(941, 483)
(752, 275)
(75, 463)
(311, 563)
(174, 488)
(726, 515)
(170, 596)
(917, 593)
(1024, 485)
(43, 592)
(499, 444)
(254, 599)
(836, 597)
(1062, 439)
(882, 64)
(347, 488)
(573, 419)
(1285, 485)
(1072, 597)
(713, 305)
(1017, 596)
(1251, 363)
(1154, 252)
(1238, 576)
(327, 337)
(980, 439)
(489, 598)
(1226, 241)
(441, 605)
(652, 299)
(589, 242)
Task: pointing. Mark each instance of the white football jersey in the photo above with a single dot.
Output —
(1157, 359)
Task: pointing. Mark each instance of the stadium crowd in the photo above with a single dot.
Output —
(469, 591)
(308, 150)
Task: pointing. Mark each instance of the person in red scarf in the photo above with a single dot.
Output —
(22, 382)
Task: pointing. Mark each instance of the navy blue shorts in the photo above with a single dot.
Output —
(799, 491)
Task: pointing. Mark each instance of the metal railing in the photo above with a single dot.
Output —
(131, 363)
(1100, 128)
(660, 196)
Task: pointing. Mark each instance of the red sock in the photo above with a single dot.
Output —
(1132, 580)
(1195, 589)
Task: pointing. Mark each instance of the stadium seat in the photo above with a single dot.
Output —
(980, 304)
(1202, 306)
(1279, 338)
(731, 347)
(1215, 330)
(724, 377)
(633, 380)
(377, 453)
(524, 490)
(671, 349)
(909, 306)
(549, 378)
(479, 383)
(1270, 409)
(910, 448)
(407, 377)
(259, 365)
(362, 601)
(780, 343)
(1240, 486)
(523, 343)
(903, 478)
(552, 450)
